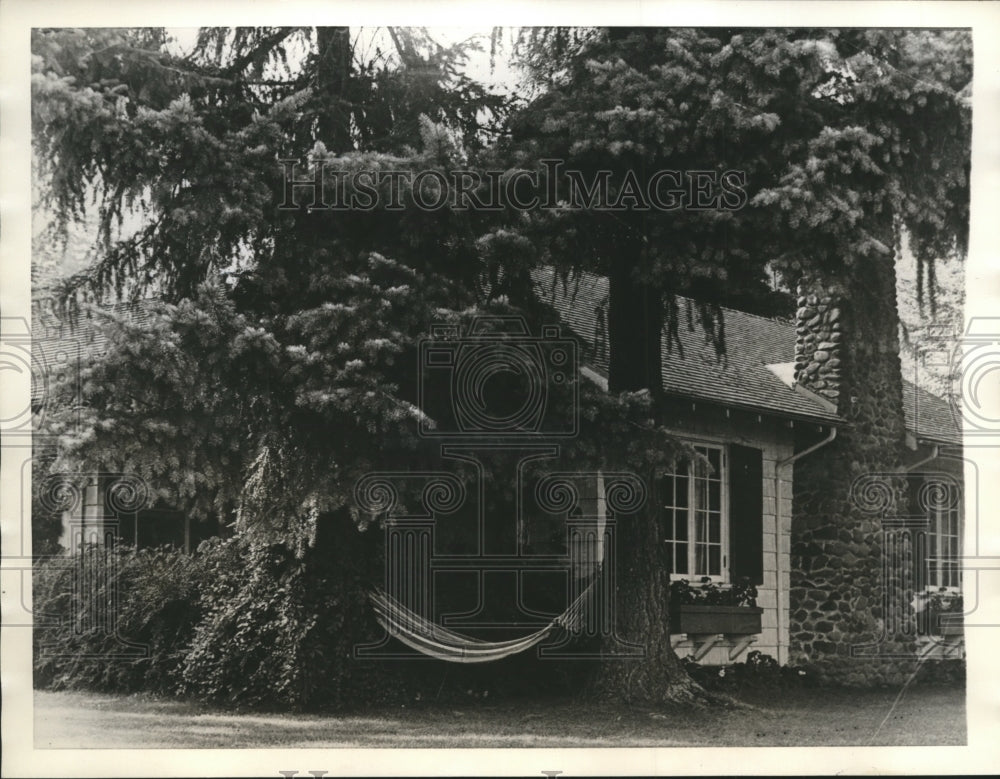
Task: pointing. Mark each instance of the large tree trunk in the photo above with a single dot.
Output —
(641, 598)
(310, 245)
(333, 73)
(635, 324)
(651, 673)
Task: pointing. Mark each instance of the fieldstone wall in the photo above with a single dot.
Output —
(849, 614)
(818, 339)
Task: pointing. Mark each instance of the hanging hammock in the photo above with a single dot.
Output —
(430, 639)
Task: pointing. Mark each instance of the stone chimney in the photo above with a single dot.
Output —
(817, 340)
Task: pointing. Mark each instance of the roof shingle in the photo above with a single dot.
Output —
(741, 378)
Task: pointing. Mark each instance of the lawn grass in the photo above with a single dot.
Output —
(928, 716)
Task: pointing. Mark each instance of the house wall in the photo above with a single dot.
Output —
(84, 521)
(775, 438)
(102, 507)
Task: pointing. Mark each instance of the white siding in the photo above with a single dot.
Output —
(776, 442)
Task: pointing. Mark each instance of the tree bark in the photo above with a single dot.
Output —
(640, 615)
(635, 325)
(333, 73)
(640, 611)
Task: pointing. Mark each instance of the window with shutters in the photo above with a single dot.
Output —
(695, 520)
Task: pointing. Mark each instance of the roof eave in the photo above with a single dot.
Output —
(934, 440)
(830, 419)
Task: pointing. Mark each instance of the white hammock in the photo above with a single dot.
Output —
(427, 638)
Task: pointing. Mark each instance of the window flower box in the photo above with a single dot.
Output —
(729, 620)
(951, 629)
(709, 608)
(939, 612)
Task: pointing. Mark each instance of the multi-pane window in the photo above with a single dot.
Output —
(693, 518)
(944, 542)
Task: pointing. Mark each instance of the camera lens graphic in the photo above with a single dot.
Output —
(980, 381)
(499, 387)
(19, 360)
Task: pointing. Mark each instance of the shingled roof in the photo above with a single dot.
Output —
(929, 417)
(741, 378)
(61, 345)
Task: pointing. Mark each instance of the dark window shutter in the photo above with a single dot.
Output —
(922, 530)
(921, 552)
(746, 514)
(914, 482)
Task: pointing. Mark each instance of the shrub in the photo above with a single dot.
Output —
(280, 630)
(949, 672)
(708, 593)
(932, 606)
(250, 626)
(758, 671)
(114, 619)
(227, 623)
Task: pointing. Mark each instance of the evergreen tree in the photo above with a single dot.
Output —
(245, 289)
(844, 139)
(277, 363)
(278, 367)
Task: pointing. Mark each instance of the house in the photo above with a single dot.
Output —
(753, 421)
(753, 415)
